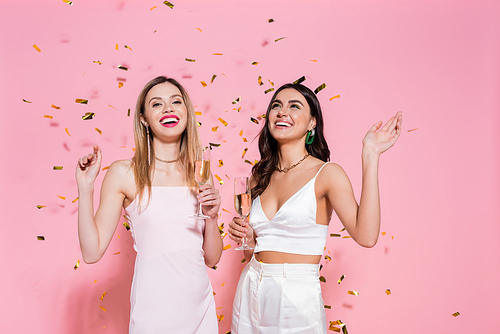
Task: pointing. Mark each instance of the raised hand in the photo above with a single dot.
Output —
(88, 167)
(209, 199)
(380, 138)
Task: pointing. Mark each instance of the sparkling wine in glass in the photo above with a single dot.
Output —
(242, 203)
(201, 172)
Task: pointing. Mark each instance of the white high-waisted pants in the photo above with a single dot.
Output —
(278, 298)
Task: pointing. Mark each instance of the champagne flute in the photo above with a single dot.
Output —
(242, 203)
(201, 172)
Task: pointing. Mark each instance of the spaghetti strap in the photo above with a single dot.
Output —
(321, 169)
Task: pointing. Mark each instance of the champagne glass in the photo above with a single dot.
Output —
(242, 203)
(201, 172)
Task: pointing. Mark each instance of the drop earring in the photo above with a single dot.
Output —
(149, 145)
(310, 136)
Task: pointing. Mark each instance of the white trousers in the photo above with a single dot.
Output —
(278, 298)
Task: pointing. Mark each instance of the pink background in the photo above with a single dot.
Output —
(437, 61)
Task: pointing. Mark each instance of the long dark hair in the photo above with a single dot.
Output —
(268, 146)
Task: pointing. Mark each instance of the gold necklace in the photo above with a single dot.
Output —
(286, 169)
(167, 161)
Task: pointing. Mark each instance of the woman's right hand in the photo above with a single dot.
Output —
(88, 167)
(239, 228)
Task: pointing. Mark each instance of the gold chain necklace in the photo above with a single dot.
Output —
(286, 169)
(167, 161)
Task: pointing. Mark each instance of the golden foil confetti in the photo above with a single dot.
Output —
(169, 4)
(456, 314)
(128, 113)
(328, 258)
(272, 83)
(99, 131)
(353, 293)
(221, 163)
(327, 306)
(314, 60)
(249, 162)
(76, 199)
(191, 60)
(346, 237)
(226, 210)
(123, 67)
(223, 285)
(227, 177)
(214, 268)
(243, 260)
(128, 47)
(102, 308)
(322, 279)
(153, 8)
(244, 152)
(102, 296)
(238, 99)
(254, 120)
(237, 109)
(62, 197)
(203, 83)
(68, 2)
(88, 115)
(342, 230)
(341, 279)
(126, 225)
(384, 233)
(82, 101)
(117, 253)
(198, 113)
(116, 47)
(120, 84)
(199, 29)
(40, 206)
(221, 317)
(48, 116)
(407, 131)
(57, 168)
(335, 97)
(40, 237)
(300, 80)
(107, 167)
(77, 265)
(217, 54)
(241, 133)
(97, 62)
(55, 107)
(335, 235)
(320, 88)
(270, 20)
(259, 80)
(268, 90)
(27, 101)
(255, 63)
(226, 247)
(214, 144)
(37, 48)
(219, 179)
(279, 39)
(213, 78)
(222, 121)
(388, 291)
(214, 128)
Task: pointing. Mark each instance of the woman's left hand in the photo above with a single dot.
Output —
(380, 138)
(209, 199)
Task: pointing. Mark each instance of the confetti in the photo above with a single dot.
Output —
(221, 163)
(221, 317)
(335, 97)
(341, 279)
(214, 128)
(128, 47)
(388, 291)
(203, 83)
(223, 285)
(40, 237)
(198, 113)
(328, 258)
(334, 235)
(214, 268)
(97, 62)
(123, 67)
(407, 131)
(199, 29)
(153, 8)
(322, 279)
(77, 265)
(120, 84)
(328, 307)
(279, 39)
(270, 20)
(88, 115)
(57, 167)
(126, 225)
(255, 63)
(259, 80)
(102, 308)
(37, 48)
(102, 296)
(62, 197)
(107, 167)
(55, 107)
(214, 144)
(82, 101)
(217, 54)
(76, 199)
(237, 109)
(272, 83)
(111, 106)
(314, 60)
(117, 253)
(456, 314)
(268, 90)
(223, 121)
(48, 116)
(236, 100)
(191, 60)
(213, 78)
(384, 233)
(353, 293)
(342, 230)
(219, 179)
(299, 80)
(169, 4)
(320, 88)
(27, 101)
(244, 152)
(243, 260)
(128, 113)
(99, 131)
(40, 206)
(346, 237)
(116, 47)
(68, 2)
(226, 247)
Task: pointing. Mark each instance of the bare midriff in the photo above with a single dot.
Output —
(279, 257)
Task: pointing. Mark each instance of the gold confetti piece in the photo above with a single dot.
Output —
(341, 279)
(40, 206)
(392, 237)
(221, 163)
(335, 235)
(100, 132)
(214, 268)
(120, 84)
(169, 4)
(48, 116)
(328, 258)
(456, 314)
(407, 131)
(107, 167)
(221, 317)
(384, 233)
(203, 83)
(249, 162)
(270, 20)
(320, 88)
(279, 39)
(128, 113)
(223, 121)
(342, 230)
(346, 237)
(102, 308)
(40, 237)
(128, 47)
(97, 62)
(191, 60)
(199, 29)
(322, 279)
(272, 83)
(243, 260)
(226, 247)
(255, 63)
(300, 80)
(327, 306)
(236, 100)
(219, 179)
(61, 197)
(241, 133)
(214, 128)
(37, 48)
(88, 115)
(76, 199)
(55, 107)
(117, 253)
(353, 293)
(77, 265)
(27, 101)
(259, 80)
(388, 291)
(82, 101)
(214, 144)
(68, 2)
(153, 8)
(268, 90)
(217, 54)
(213, 78)
(237, 109)
(226, 210)
(335, 97)
(198, 113)
(102, 296)
(118, 236)
(111, 106)
(116, 47)
(244, 152)
(198, 123)
(123, 67)
(314, 60)
(227, 177)
(126, 225)
(223, 285)
(254, 120)
(57, 167)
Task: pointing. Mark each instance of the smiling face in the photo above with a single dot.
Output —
(290, 116)
(165, 111)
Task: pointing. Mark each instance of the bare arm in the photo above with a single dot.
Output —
(212, 242)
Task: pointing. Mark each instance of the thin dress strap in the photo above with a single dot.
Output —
(321, 169)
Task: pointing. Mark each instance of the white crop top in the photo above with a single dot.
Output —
(293, 228)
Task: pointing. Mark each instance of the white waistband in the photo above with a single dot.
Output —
(284, 269)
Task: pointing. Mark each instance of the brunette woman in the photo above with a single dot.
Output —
(294, 191)
(171, 292)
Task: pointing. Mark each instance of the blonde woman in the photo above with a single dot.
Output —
(171, 292)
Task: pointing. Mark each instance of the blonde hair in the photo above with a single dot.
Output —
(143, 171)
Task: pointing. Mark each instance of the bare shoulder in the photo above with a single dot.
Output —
(121, 168)
(121, 174)
(332, 175)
